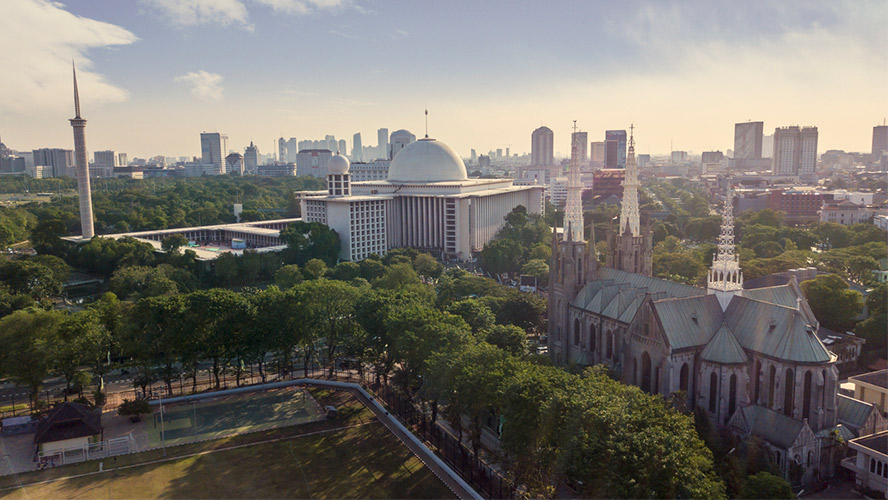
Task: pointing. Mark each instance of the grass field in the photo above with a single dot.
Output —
(353, 456)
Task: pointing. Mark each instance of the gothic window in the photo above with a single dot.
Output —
(683, 378)
(732, 395)
(645, 372)
(576, 332)
(758, 379)
(788, 392)
(772, 386)
(810, 458)
(806, 395)
(713, 391)
(592, 334)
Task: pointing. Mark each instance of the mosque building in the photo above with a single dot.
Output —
(751, 358)
(427, 202)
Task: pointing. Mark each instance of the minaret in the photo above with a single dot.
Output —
(629, 219)
(83, 190)
(725, 277)
(573, 211)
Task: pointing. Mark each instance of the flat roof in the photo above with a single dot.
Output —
(876, 442)
(877, 378)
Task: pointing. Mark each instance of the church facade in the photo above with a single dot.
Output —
(750, 358)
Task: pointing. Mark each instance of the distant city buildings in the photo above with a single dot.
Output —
(56, 162)
(597, 153)
(234, 163)
(748, 140)
(542, 144)
(615, 148)
(581, 139)
(282, 149)
(382, 143)
(357, 148)
(122, 160)
(880, 141)
(213, 147)
(313, 162)
(399, 140)
(251, 159)
(795, 151)
(292, 149)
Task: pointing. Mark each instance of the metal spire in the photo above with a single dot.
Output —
(629, 218)
(76, 93)
(573, 212)
(725, 275)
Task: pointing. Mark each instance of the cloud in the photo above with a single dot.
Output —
(193, 12)
(204, 85)
(37, 62)
(301, 7)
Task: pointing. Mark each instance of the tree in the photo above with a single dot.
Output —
(288, 276)
(680, 266)
(31, 278)
(861, 267)
(877, 300)
(834, 305)
(346, 271)
(29, 338)
(327, 309)
(537, 268)
(80, 340)
(310, 240)
(502, 256)
(226, 267)
(475, 313)
(524, 310)
(509, 338)
(172, 243)
(427, 266)
(766, 485)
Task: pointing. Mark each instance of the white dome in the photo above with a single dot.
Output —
(338, 164)
(427, 160)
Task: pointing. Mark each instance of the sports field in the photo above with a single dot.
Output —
(351, 456)
(230, 415)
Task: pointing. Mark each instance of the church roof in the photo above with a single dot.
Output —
(852, 412)
(787, 295)
(774, 427)
(724, 348)
(689, 321)
(654, 285)
(774, 330)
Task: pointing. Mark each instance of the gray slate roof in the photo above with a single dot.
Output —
(724, 348)
(677, 319)
(787, 295)
(852, 412)
(655, 285)
(770, 425)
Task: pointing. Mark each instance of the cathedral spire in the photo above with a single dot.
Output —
(573, 212)
(725, 277)
(629, 219)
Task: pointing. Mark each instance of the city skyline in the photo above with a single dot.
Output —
(157, 73)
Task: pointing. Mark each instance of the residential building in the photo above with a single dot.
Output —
(59, 161)
(872, 387)
(213, 148)
(795, 151)
(357, 148)
(399, 140)
(748, 140)
(313, 162)
(382, 143)
(597, 153)
(615, 148)
(880, 140)
(251, 159)
(542, 147)
(869, 462)
(581, 139)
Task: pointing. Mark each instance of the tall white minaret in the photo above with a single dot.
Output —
(629, 219)
(573, 210)
(725, 277)
(82, 167)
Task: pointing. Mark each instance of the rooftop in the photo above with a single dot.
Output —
(879, 378)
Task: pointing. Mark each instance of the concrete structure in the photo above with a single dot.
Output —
(399, 140)
(558, 192)
(105, 159)
(277, 170)
(542, 147)
(597, 153)
(880, 140)
(376, 170)
(615, 148)
(608, 182)
(213, 148)
(313, 162)
(581, 140)
(426, 202)
(795, 151)
(282, 150)
(382, 143)
(872, 388)
(59, 161)
(251, 159)
(234, 163)
(748, 140)
(845, 212)
(357, 148)
(84, 193)
(292, 149)
(870, 462)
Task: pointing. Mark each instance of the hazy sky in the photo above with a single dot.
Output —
(155, 73)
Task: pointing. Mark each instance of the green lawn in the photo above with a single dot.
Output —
(358, 462)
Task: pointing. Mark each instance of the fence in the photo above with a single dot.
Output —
(89, 451)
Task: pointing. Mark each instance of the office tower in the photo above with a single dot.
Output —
(342, 147)
(615, 148)
(330, 142)
(292, 149)
(499, 152)
(234, 163)
(251, 159)
(105, 159)
(282, 149)
(795, 151)
(474, 157)
(542, 144)
(596, 152)
(768, 146)
(357, 148)
(880, 140)
(382, 143)
(399, 140)
(59, 162)
(580, 139)
(748, 140)
(213, 145)
(122, 160)
(83, 190)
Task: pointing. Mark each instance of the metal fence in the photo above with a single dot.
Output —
(89, 451)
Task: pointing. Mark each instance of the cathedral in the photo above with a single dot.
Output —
(750, 358)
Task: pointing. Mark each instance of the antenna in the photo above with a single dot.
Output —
(427, 122)
(76, 93)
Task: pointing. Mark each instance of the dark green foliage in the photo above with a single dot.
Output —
(766, 485)
(134, 408)
(516, 243)
(310, 240)
(834, 305)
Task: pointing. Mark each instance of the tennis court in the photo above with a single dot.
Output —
(223, 416)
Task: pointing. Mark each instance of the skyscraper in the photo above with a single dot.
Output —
(122, 160)
(581, 141)
(292, 149)
(282, 149)
(615, 148)
(342, 147)
(212, 149)
(83, 190)
(795, 151)
(542, 144)
(106, 159)
(399, 140)
(382, 143)
(357, 148)
(748, 140)
(596, 152)
(251, 159)
(60, 161)
(880, 140)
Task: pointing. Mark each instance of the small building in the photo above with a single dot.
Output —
(862, 418)
(871, 387)
(870, 462)
(67, 426)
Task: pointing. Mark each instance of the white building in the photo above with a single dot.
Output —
(426, 202)
(399, 140)
(795, 151)
(558, 192)
(870, 463)
(845, 212)
(313, 162)
(376, 170)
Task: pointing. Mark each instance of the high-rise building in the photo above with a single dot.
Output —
(357, 148)
(542, 147)
(748, 140)
(213, 146)
(83, 190)
(474, 157)
(768, 146)
(342, 147)
(499, 152)
(313, 162)
(880, 140)
(382, 143)
(581, 140)
(292, 149)
(106, 159)
(596, 152)
(795, 151)
(399, 140)
(60, 162)
(282, 149)
(251, 159)
(508, 153)
(615, 148)
(234, 163)
(122, 160)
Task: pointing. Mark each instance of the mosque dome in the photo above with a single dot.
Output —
(338, 164)
(427, 160)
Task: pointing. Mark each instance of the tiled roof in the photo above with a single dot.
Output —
(690, 321)
(788, 295)
(776, 331)
(724, 348)
(844, 432)
(876, 442)
(655, 285)
(770, 425)
(879, 378)
(68, 421)
(852, 412)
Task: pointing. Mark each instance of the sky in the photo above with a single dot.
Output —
(153, 74)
